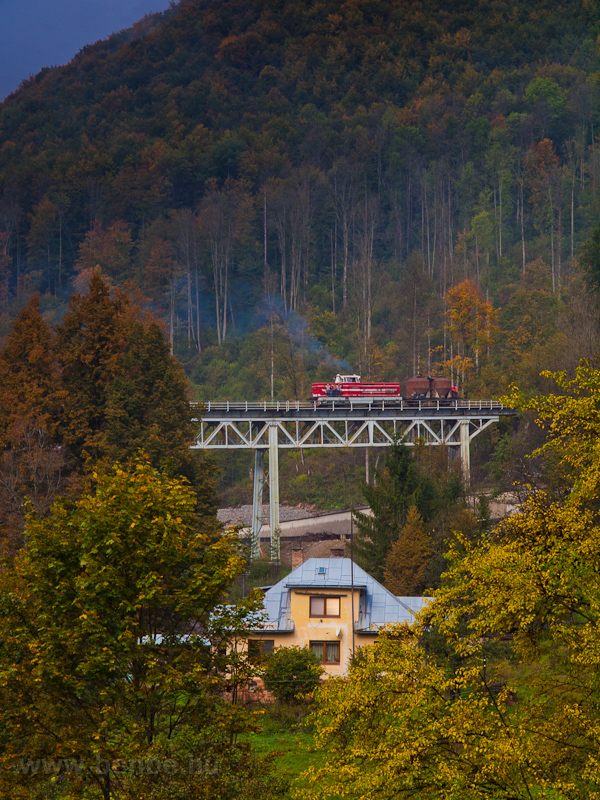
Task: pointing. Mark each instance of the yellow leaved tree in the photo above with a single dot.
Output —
(495, 693)
(472, 322)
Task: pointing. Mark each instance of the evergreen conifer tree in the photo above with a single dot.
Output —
(407, 559)
(397, 487)
(101, 388)
(33, 465)
(91, 341)
(124, 391)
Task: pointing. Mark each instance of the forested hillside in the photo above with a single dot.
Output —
(394, 185)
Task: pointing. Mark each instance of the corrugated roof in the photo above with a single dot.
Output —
(378, 606)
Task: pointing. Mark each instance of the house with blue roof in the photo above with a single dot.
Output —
(332, 606)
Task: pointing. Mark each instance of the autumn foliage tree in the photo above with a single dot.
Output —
(104, 662)
(472, 323)
(108, 248)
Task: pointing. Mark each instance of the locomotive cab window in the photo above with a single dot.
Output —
(324, 606)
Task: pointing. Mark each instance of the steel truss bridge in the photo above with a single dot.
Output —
(293, 425)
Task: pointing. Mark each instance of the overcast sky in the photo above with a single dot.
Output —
(44, 33)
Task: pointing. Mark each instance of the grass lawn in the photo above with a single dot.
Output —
(292, 743)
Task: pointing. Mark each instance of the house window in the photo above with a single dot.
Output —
(324, 606)
(326, 652)
(259, 647)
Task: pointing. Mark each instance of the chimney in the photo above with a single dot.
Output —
(297, 556)
(337, 552)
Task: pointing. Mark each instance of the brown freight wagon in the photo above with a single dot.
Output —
(427, 388)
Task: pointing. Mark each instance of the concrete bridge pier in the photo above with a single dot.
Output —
(465, 451)
(257, 502)
(274, 492)
(272, 479)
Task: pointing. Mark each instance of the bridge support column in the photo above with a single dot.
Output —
(465, 450)
(257, 501)
(274, 492)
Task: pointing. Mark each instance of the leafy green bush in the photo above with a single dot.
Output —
(290, 673)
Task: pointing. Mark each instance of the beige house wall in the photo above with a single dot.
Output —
(322, 629)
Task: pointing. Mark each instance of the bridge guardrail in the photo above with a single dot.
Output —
(352, 405)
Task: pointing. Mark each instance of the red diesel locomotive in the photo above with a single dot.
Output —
(350, 387)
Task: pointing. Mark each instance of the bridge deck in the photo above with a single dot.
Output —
(348, 409)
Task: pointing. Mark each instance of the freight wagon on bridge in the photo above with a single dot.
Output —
(421, 388)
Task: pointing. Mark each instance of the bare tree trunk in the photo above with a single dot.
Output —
(450, 234)
(265, 228)
(217, 296)
(184, 245)
(331, 242)
(522, 224)
(423, 228)
(272, 356)
(225, 295)
(500, 218)
(428, 344)
(345, 245)
(294, 269)
(300, 223)
(198, 313)
(559, 245)
(408, 212)
(172, 313)
(282, 241)
(220, 216)
(445, 330)
(366, 246)
(190, 307)
(552, 245)
(496, 227)
(60, 246)
(429, 263)
(415, 330)
(435, 231)
(573, 218)
(343, 202)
